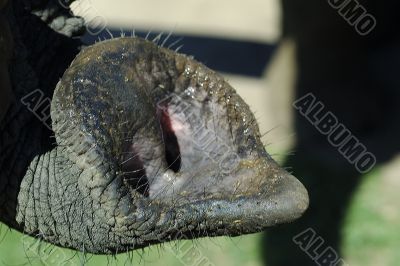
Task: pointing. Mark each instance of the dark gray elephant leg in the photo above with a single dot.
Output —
(6, 47)
(36, 61)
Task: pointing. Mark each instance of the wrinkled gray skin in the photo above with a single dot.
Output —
(102, 180)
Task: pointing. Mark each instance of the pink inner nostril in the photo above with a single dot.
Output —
(136, 171)
(172, 152)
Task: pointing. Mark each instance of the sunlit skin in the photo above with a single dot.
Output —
(146, 144)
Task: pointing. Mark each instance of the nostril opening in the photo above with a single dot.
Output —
(134, 172)
(172, 151)
(172, 154)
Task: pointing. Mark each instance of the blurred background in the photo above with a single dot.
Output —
(274, 52)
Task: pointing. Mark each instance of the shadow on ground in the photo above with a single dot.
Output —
(355, 77)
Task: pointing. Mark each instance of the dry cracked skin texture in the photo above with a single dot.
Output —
(145, 145)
